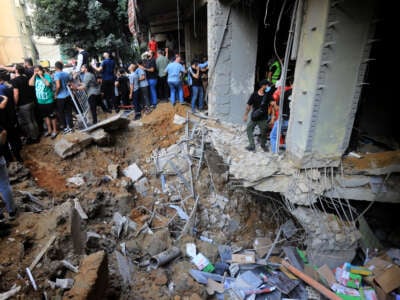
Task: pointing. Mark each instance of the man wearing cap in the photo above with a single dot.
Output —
(258, 104)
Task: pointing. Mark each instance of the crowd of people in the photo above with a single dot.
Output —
(36, 102)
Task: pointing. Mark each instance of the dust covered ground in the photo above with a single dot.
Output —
(222, 212)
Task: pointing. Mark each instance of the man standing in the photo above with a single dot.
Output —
(258, 102)
(45, 97)
(24, 99)
(83, 59)
(175, 70)
(162, 63)
(151, 75)
(134, 90)
(144, 87)
(108, 79)
(63, 99)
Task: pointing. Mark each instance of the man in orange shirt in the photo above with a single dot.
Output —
(153, 46)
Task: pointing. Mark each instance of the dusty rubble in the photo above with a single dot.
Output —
(152, 211)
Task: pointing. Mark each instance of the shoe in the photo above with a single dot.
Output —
(251, 148)
(67, 130)
(152, 106)
(53, 135)
(265, 148)
(47, 134)
(12, 215)
(2, 218)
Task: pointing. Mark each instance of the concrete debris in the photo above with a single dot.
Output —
(101, 137)
(142, 186)
(77, 180)
(71, 144)
(330, 242)
(180, 212)
(119, 223)
(178, 120)
(17, 172)
(64, 283)
(113, 170)
(133, 172)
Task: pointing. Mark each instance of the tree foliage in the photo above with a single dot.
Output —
(98, 24)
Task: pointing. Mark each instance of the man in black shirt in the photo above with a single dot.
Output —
(258, 103)
(24, 98)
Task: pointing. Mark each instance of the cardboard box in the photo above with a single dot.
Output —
(390, 279)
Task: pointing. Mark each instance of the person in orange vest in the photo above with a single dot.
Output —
(152, 46)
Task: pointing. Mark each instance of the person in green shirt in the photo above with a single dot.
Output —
(45, 97)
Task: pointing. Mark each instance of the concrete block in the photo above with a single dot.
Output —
(72, 143)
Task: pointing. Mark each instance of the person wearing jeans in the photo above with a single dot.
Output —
(63, 99)
(174, 70)
(5, 188)
(197, 86)
(151, 75)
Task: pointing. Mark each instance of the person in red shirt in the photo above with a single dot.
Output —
(153, 46)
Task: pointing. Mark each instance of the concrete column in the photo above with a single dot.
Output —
(232, 80)
(329, 73)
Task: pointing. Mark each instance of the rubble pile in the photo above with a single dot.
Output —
(154, 213)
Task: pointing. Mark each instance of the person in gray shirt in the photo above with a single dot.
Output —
(134, 89)
(93, 91)
(161, 63)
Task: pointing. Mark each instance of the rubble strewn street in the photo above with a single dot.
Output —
(159, 214)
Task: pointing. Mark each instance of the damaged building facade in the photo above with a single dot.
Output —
(340, 145)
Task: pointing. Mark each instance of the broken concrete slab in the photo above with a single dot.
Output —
(92, 280)
(101, 137)
(71, 144)
(113, 123)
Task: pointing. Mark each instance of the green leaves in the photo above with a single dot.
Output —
(98, 24)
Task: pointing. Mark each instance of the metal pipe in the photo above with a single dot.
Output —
(164, 257)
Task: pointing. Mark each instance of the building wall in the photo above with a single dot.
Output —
(15, 33)
(231, 66)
